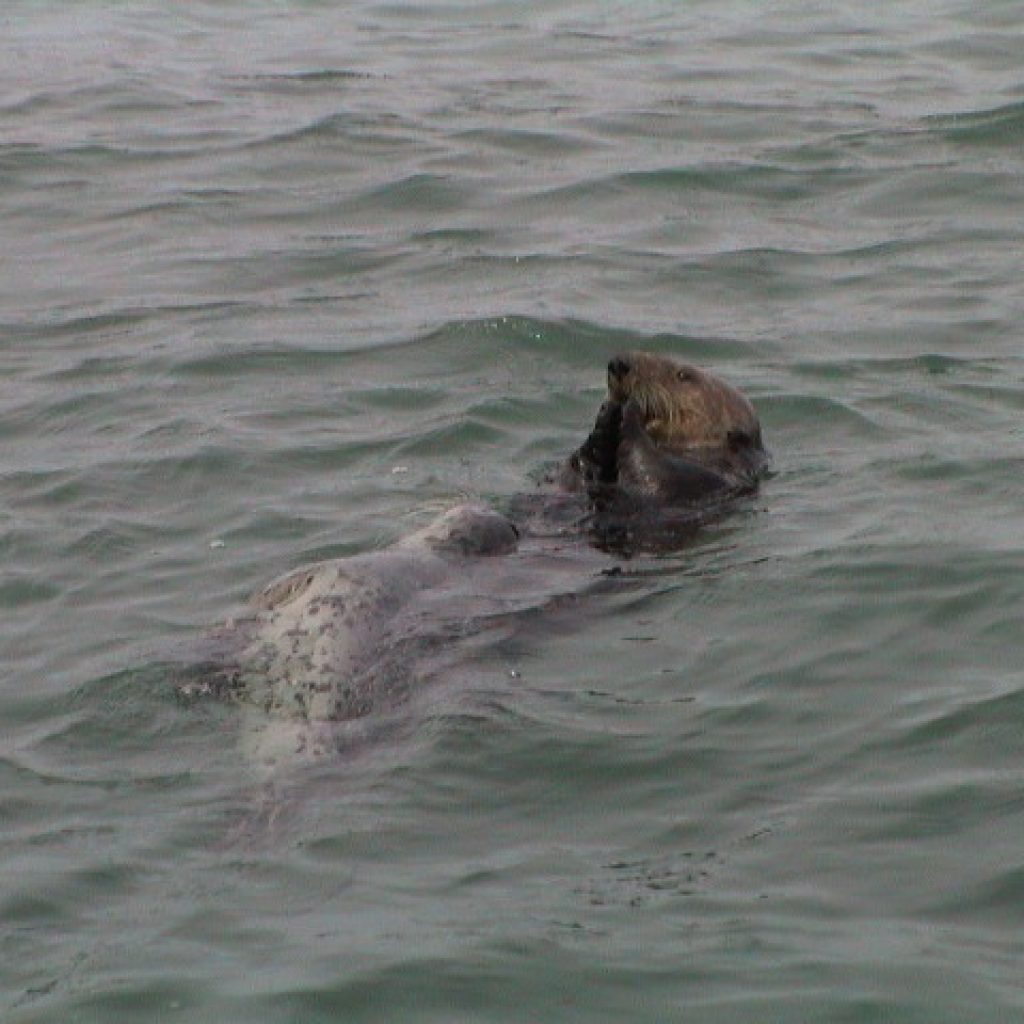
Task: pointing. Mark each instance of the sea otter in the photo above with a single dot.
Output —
(323, 647)
(668, 435)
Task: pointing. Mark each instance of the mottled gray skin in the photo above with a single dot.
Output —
(329, 643)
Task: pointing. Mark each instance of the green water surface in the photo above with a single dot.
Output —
(280, 280)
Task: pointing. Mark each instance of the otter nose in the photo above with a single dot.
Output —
(618, 367)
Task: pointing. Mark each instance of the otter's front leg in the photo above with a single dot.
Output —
(594, 463)
(648, 473)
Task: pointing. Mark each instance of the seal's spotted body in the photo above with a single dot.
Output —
(332, 642)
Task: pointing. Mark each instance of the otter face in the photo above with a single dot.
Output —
(670, 447)
(683, 408)
(668, 436)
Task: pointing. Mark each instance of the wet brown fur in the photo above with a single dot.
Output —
(687, 411)
(668, 436)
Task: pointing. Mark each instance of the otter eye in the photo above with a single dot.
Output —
(685, 376)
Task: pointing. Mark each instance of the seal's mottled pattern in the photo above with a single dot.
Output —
(329, 643)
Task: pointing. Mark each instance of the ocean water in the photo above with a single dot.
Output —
(279, 279)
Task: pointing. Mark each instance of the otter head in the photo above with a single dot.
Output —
(684, 410)
(668, 436)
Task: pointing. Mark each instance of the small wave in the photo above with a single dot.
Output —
(528, 143)
(752, 181)
(18, 591)
(318, 76)
(794, 410)
(999, 126)
(379, 134)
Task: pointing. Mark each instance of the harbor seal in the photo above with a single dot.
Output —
(321, 649)
(330, 643)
